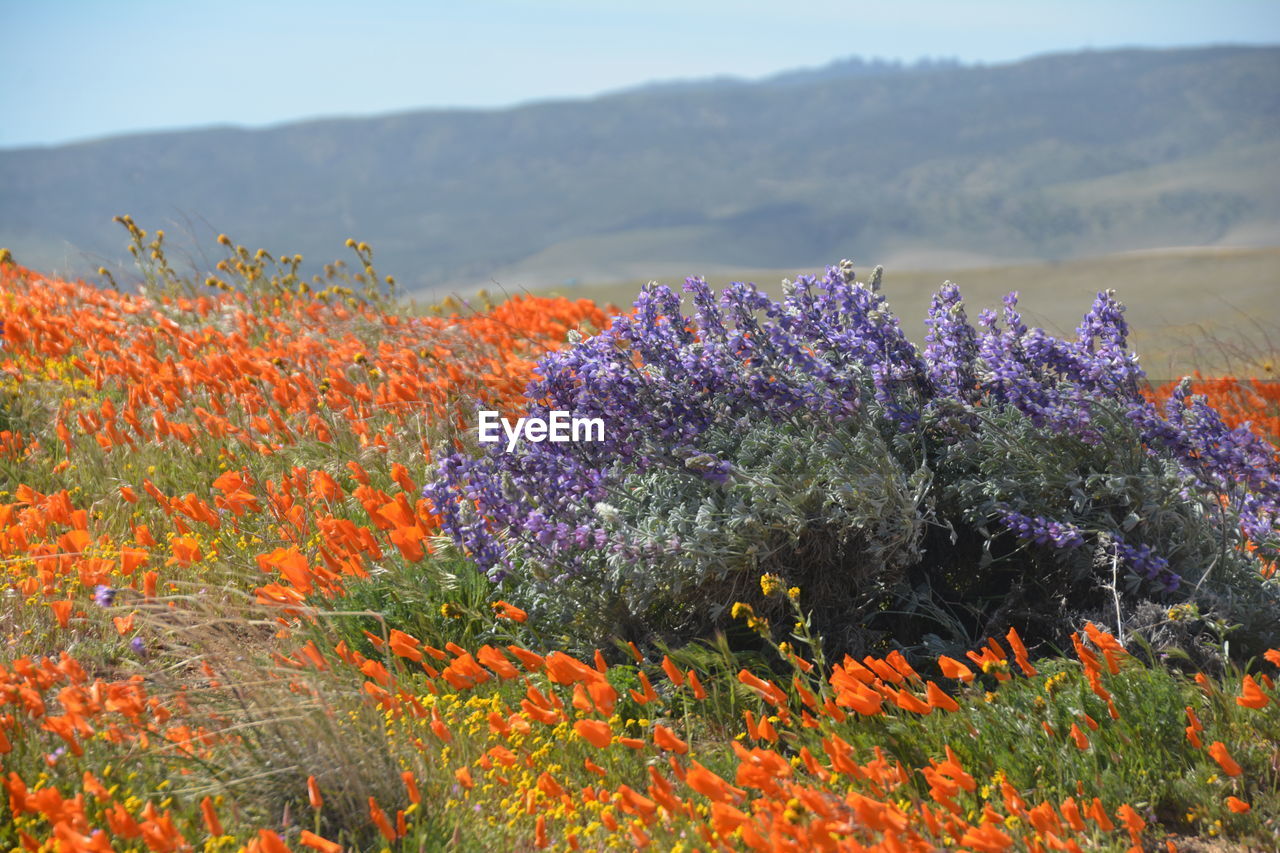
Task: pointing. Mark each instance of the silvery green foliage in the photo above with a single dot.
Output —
(824, 504)
(1100, 495)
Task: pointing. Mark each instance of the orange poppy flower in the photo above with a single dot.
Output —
(711, 786)
(211, 821)
(665, 738)
(699, 692)
(673, 672)
(595, 732)
(411, 786)
(1237, 805)
(952, 668)
(1218, 751)
(307, 838)
(1020, 653)
(540, 840)
(379, 818)
(503, 610)
(1251, 695)
(405, 645)
(62, 610)
(938, 699)
(186, 550)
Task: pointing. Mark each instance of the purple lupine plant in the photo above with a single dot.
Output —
(809, 435)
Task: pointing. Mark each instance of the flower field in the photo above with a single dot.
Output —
(262, 590)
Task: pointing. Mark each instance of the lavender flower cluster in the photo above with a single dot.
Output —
(1042, 531)
(830, 352)
(1140, 559)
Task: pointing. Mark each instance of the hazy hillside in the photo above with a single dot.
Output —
(1056, 157)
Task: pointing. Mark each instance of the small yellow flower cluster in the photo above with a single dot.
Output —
(742, 610)
(993, 666)
(1054, 682)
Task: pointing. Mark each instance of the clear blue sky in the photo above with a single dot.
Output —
(78, 69)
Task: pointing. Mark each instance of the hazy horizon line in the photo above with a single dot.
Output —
(923, 63)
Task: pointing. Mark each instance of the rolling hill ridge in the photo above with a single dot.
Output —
(1052, 158)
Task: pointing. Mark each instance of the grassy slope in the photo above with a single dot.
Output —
(254, 715)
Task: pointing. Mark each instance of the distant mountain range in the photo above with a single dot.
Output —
(1054, 157)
